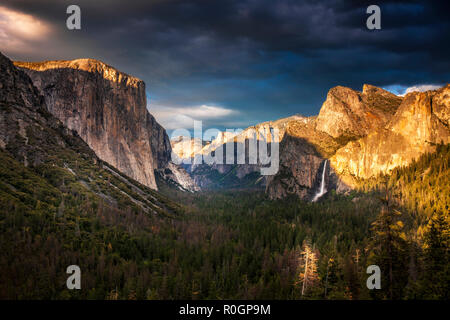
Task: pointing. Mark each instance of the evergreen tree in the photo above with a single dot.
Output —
(389, 252)
(436, 277)
(308, 276)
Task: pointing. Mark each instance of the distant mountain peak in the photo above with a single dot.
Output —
(368, 89)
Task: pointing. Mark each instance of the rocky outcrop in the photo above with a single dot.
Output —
(108, 109)
(177, 177)
(423, 117)
(30, 136)
(299, 165)
(363, 134)
(303, 151)
(348, 113)
(420, 122)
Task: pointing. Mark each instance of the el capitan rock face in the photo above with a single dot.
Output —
(107, 108)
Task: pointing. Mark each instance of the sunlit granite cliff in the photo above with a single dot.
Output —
(421, 121)
(349, 113)
(108, 109)
(361, 133)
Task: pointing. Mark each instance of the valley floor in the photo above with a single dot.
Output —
(232, 244)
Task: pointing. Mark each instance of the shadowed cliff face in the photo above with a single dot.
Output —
(27, 131)
(299, 163)
(108, 110)
(303, 151)
(345, 116)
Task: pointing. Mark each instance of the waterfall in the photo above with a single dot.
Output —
(322, 184)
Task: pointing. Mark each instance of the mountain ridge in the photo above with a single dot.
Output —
(347, 120)
(85, 64)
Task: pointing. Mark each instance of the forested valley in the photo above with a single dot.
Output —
(234, 244)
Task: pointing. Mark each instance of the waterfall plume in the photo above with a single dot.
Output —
(322, 189)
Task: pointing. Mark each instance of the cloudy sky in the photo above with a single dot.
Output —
(234, 63)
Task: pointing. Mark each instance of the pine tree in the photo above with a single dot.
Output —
(389, 251)
(308, 276)
(436, 277)
(332, 278)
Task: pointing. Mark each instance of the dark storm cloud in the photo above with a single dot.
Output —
(264, 59)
